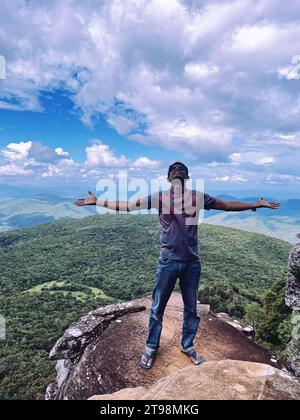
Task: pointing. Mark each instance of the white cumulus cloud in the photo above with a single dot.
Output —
(188, 76)
(100, 155)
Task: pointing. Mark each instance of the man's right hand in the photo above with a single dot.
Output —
(90, 200)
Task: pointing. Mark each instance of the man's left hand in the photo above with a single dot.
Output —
(261, 203)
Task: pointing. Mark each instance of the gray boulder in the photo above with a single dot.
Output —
(293, 301)
(293, 283)
(69, 349)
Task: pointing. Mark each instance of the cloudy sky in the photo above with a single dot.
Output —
(93, 87)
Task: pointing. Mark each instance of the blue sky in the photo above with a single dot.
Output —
(96, 87)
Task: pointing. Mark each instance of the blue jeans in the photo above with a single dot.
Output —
(166, 276)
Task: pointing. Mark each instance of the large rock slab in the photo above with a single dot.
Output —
(224, 380)
(108, 361)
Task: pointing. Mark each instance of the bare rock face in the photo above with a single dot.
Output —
(293, 283)
(224, 380)
(293, 353)
(100, 353)
(293, 301)
(69, 349)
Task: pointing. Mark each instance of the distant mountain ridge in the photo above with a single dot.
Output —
(29, 207)
(283, 223)
(39, 209)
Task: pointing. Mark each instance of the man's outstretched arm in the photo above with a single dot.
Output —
(239, 206)
(91, 200)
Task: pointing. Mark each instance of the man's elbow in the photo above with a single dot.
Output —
(227, 207)
(222, 205)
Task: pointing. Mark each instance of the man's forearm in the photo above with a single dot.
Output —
(117, 205)
(113, 205)
(238, 206)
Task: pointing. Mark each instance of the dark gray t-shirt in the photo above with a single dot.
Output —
(178, 215)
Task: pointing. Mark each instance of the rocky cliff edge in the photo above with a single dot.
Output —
(99, 356)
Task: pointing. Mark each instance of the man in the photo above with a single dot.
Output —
(178, 210)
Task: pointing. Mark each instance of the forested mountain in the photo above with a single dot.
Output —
(54, 273)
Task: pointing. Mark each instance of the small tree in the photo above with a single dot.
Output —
(254, 315)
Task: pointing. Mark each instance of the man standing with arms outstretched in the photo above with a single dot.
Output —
(178, 210)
